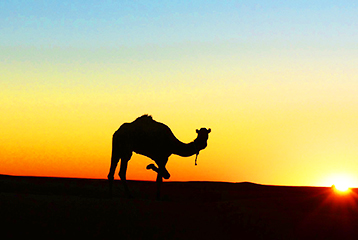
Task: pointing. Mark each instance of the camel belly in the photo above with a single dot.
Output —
(154, 153)
(150, 145)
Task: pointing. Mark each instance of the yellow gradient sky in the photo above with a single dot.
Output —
(276, 83)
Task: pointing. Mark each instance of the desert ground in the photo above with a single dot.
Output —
(57, 208)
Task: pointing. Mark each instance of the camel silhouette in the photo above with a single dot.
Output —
(153, 139)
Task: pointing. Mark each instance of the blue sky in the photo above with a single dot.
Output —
(133, 23)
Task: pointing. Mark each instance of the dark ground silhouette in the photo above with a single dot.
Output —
(61, 208)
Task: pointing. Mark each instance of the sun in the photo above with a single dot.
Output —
(341, 187)
(342, 184)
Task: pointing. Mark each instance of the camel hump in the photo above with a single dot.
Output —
(144, 117)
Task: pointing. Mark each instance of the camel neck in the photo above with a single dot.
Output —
(186, 149)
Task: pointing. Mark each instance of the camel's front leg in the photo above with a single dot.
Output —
(164, 171)
(159, 178)
(161, 172)
(159, 183)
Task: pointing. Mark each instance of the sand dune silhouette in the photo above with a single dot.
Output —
(61, 207)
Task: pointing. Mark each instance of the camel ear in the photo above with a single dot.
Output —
(209, 130)
(197, 131)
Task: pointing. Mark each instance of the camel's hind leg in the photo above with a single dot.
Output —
(114, 161)
(123, 172)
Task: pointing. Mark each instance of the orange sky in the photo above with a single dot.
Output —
(280, 98)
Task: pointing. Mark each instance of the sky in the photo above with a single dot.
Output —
(276, 81)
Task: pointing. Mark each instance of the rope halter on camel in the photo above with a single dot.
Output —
(197, 153)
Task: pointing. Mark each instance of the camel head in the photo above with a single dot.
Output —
(201, 140)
